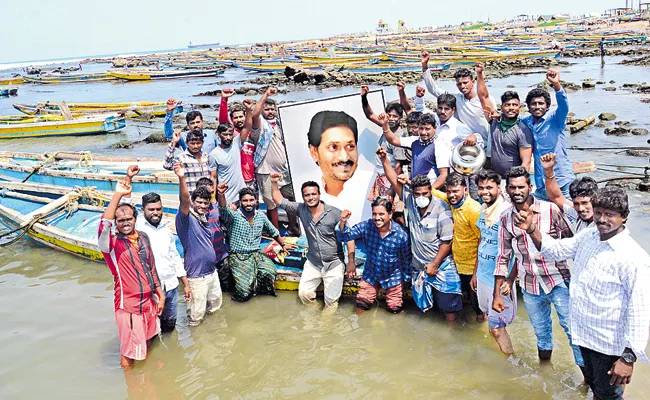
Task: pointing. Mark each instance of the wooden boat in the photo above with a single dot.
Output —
(24, 118)
(147, 75)
(70, 78)
(91, 125)
(12, 81)
(85, 170)
(140, 107)
(69, 220)
(342, 59)
(279, 67)
(397, 67)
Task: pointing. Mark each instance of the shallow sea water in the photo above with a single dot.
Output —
(59, 338)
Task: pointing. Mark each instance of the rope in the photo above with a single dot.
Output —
(621, 172)
(37, 168)
(85, 160)
(622, 166)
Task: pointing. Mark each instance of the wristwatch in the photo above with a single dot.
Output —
(628, 356)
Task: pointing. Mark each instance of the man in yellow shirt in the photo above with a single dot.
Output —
(464, 246)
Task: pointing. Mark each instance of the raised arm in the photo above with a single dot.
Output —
(552, 188)
(168, 125)
(257, 111)
(223, 105)
(183, 189)
(169, 155)
(367, 110)
(248, 122)
(275, 190)
(382, 120)
(562, 110)
(429, 82)
(403, 100)
(122, 189)
(482, 90)
(221, 194)
(390, 173)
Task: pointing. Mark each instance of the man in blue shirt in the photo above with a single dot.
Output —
(548, 134)
(388, 252)
(194, 120)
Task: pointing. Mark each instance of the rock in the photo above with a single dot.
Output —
(600, 83)
(588, 85)
(603, 124)
(644, 186)
(607, 117)
(639, 131)
(630, 85)
(629, 184)
(619, 131)
(622, 123)
(612, 82)
(638, 153)
(609, 89)
(156, 138)
(510, 86)
(643, 89)
(122, 144)
(645, 100)
(251, 92)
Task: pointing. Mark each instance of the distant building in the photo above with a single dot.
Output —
(382, 27)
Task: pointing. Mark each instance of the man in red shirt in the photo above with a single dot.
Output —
(139, 298)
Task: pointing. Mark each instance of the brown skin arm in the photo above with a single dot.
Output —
(367, 110)
(248, 122)
(481, 88)
(276, 194)
(350, 266)
(121, 190)
(552, 188)
(161, 300)
(526, 155)
(440, 180)
(443, 251)
(257, 111)
(403, 100)
(621, 373)
(390, 173)
(388, 134)
(186, 288)
(221, 194)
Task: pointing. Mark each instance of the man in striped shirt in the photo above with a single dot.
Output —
(543, 282)
(610, 305)
(195, 162)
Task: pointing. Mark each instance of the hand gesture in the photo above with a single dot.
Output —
(471, 140)
(383, 120)
(132, 171)
(497, 304)
(403, 179)
(222, 187)
(381, 152)
(506, 288)
(548, 160)
(176, 136)
(479, 67)
(553, 77)
(621, 373)
(227, 93)
(275, 177)
(431, 270)
(491, 114)
(160, 306)
(179, 169)
(232, 206)
(364, 90)
(172, 104)
(248, 104)
(524, 220)
(401, 86)
(188, 293)
(473, 282)
(123, 188)
(345, 216)
(350, 269)
(271, 91)
(420, 91)
(424, 57)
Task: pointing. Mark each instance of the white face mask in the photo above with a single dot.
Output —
(422, 201)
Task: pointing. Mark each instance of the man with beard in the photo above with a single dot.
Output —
(489, 190)
(139, 298)
(194, 120)
(470, 110)
(169, 264)
(543, 282)
(227, 157)
(196, 163)
(324, 253)
(254, 272)
(428, 158)
(271, 156)
(548, 134)
(610, 306)
(394, 112)
(195, 232)
(431, 229)
(239, 115)
(332, 139)
(511, 140)
(464, 246)
(388, 255)
(579, 211)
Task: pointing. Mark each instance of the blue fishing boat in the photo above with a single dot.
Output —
(399, 67)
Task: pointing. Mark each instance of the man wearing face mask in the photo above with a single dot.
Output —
(324, 253)
(431, 229)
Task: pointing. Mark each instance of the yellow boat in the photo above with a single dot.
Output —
(90, 125)
(340, 60)
(147, 75)
(139, 107)
(12, 81)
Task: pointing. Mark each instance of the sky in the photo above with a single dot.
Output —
(77, 28)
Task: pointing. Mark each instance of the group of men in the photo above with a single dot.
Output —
(444, 234)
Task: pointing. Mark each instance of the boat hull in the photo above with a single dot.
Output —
(74, 127)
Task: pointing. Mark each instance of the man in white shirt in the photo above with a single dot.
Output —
(168, 262)
(609, 300)
(469, 111)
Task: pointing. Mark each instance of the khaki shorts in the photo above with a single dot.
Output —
(266, 187)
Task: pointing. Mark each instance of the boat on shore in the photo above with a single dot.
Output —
(274, 67)
(8, 91)
(139, 108)
(68, 221)
(148, 75)
(70, 78)
(69, 169)
(12, 81)
(88, 125)
(395, 67)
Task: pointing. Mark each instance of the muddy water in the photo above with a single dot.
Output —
(59, 340)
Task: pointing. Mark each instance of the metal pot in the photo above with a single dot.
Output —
(467, 160)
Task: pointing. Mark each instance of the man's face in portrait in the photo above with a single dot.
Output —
(337, 155)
